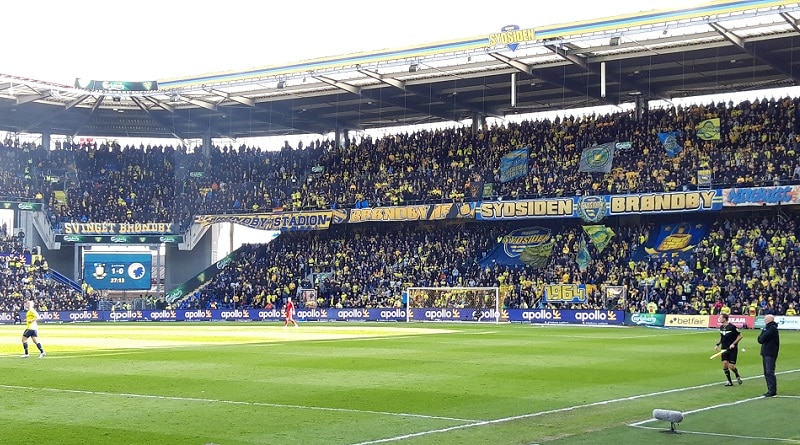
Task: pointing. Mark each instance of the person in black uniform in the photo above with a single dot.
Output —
(729, 337)
(770, 344)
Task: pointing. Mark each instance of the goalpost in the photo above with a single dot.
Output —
(481, 304)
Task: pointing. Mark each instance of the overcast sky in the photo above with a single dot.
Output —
(58, 41)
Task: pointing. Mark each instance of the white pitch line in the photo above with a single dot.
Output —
(232, 402)
(732, 436)
(706, 408)
(543, 413)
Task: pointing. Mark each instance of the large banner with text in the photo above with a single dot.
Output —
(534, 316)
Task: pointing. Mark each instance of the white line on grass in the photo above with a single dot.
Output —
(543, 413)
(732, 436)
(233, 402)
(706, 408)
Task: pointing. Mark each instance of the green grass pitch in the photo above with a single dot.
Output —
(392, 383)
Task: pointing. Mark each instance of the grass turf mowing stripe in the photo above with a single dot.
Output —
(230, 402)
(552, 411)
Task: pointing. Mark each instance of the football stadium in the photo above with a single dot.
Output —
(579, 233)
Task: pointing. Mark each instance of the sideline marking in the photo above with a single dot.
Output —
(231, 402)
(551, 411)
(732, 436)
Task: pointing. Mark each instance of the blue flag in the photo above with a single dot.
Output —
(514, 165)
(670, 143)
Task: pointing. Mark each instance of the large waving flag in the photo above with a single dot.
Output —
(598, 158)
(672, 241)
(670, 143)
(708, 130)
(514, 165)
(530, 246)
(600, 236)
(537, 256)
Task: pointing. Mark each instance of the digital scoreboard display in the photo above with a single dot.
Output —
(117, 271)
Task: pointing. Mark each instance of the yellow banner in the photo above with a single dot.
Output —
(289, 221)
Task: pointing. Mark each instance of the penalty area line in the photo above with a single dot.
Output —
(232, 402)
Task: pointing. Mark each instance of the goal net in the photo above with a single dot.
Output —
(481, 304)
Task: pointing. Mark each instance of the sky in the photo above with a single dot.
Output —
(59, 41)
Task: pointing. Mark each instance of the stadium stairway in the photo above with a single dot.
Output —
(61, 278)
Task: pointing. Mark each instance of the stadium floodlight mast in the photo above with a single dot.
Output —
(441, 304)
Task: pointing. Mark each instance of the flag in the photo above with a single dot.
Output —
(514, 165)
(704, 177)
(583, 256)
(600, 236)
(476, 189)
(538, 255)
(670, 143)
(597, 158)
(488, 189)
(672, 241)
(708, 130)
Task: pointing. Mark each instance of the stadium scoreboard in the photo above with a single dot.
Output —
(117, 271)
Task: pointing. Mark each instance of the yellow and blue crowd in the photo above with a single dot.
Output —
(746, 264)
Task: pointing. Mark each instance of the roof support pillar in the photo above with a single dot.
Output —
(478, 120)
(46, 142)
(207, 144)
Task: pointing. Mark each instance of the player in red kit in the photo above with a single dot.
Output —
(289, 308)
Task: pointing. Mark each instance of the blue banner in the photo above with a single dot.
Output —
(672, 241)
(670, 143)
(544, 316)
(567, 316)
(514, 165)
(761, 196)
(528, 246)
(7, 318)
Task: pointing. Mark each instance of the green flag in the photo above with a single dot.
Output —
(600, 235)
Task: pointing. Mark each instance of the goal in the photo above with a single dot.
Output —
(480, 304)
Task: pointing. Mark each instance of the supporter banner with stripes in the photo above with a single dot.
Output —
(514, 165)
(289, 221)
(704, 177)
(423, 212)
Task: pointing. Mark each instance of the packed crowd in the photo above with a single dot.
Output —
(24, 276)
(746, 265)
(758, 146)
(740, 264)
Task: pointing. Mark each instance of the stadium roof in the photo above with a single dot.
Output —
(724, 46)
